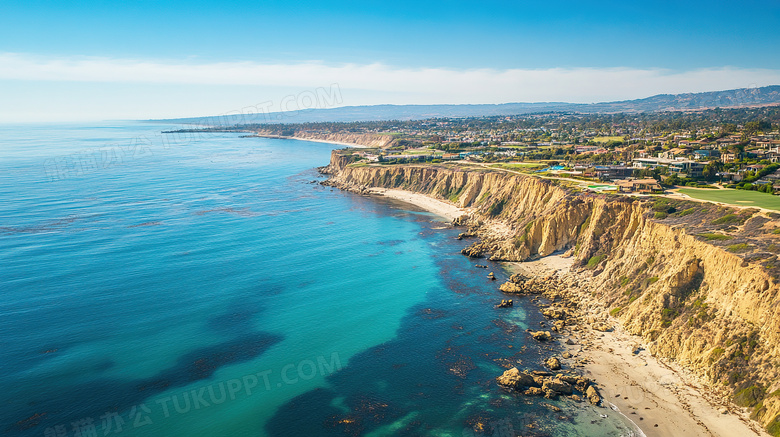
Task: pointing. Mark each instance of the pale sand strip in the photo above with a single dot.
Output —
(438, 207)
(280, 137)
(658, 392)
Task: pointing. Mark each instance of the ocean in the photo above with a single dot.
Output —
(206, 285)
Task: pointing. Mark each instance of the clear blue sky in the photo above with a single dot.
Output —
(660, 46)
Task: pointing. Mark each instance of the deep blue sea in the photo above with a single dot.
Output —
(206, 285)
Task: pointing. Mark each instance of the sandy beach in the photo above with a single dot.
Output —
(660, 397)
(438, 207)
(353, 145)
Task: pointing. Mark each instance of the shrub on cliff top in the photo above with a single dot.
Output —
(663, 205)
(710, 236)
(685, 212)
(730, 219)
(741, 247)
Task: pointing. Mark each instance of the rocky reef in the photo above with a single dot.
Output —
(697, 282)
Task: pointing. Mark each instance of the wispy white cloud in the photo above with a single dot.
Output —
(35, 88)
(478, 85)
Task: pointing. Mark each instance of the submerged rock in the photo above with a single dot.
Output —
(541, 335)
(505, 303)
(534, 391)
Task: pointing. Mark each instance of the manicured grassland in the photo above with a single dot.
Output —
(735, 197)
(606, 139)
(520, 165)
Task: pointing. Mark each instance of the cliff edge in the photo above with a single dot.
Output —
(696, 281)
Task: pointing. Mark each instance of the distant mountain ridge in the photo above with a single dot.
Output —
(742, 97)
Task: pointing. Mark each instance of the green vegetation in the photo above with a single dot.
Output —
(607, 139)
(730, 219)
(651, 281)
(594, 261)
(741, 247)
(776, 231)
(454, 195)
(663, 205)
(496, 208)
(615, 311)
(417, 152)
(774, 427)
(667, 316)
(711, 236)
(660, 215)
(520, 165)
(519, 241)
(749, 396)
(716, 353)
(735, 197)
(685, 212)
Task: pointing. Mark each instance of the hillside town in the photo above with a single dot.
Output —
(734, 148)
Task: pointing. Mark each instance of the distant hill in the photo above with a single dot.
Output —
(768, 95)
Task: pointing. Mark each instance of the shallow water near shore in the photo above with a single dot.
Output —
(204, 286)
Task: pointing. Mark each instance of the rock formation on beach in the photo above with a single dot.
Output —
(711, 304)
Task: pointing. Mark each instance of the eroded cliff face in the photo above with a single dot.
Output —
(711, 310)
(366, 140)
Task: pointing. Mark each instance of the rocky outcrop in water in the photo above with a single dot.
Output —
(546, 384)
(697, 282)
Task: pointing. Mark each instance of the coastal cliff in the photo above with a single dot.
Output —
(712, 308)
(378, 141)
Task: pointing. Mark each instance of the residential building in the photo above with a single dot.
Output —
(642, 186)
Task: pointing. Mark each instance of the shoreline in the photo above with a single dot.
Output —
(659, 397)
(338, 143)
(438, 207)
(648, 390)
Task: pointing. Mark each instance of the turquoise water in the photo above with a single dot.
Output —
(206, 286)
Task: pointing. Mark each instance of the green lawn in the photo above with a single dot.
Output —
(606, 139)
(418, 152)
(520, 165)
(735, 197)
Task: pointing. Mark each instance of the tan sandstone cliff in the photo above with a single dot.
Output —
(713, 311)
(378, 141)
